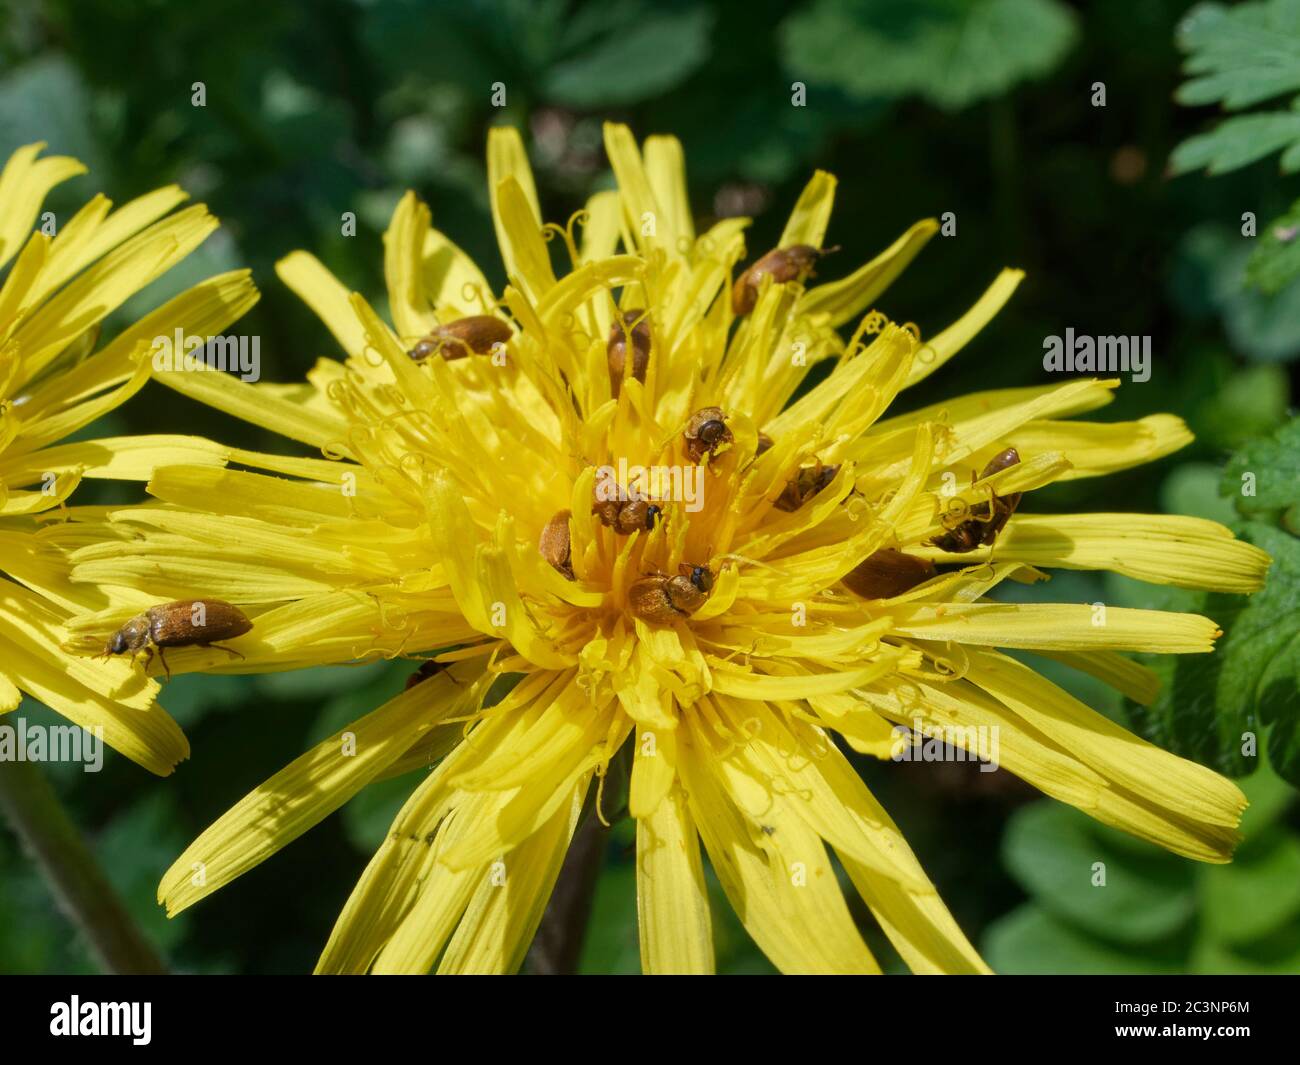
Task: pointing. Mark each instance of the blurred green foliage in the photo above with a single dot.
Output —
(983, 108)
(1211, 706)
(1103, 902)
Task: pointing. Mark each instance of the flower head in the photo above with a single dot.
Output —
(603, 506)
(56, 379)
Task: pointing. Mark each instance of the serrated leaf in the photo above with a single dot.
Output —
(1188, 717)
(1252, 681)
(1261, 652)
(953, 54)
(1052, 851)
(1239, 57)
(1242, 55)
(1273, 466)
(1238, 142)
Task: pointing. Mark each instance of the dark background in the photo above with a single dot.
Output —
(317, 109)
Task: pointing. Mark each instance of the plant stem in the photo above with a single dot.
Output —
(75, 878)
(558, 943)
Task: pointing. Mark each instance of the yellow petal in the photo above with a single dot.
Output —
(313, 283)
(451, 279)
(405, 862)
(1059, 626)
(1159, 777)
(849, 297)
(1097, 448)
(24, 183)
(305, 792)
(124, 458)
(516, 213)
(205, 311)
(108, 283)
(502, 917)
(665, 168)
(653, 770)
(1130, 678)
(943, 346)
(1162, 548)
(403, 267)
(671, 897)
(254, 403)
(643, 219)
(812, 213)
(779, 883)
(112, 695)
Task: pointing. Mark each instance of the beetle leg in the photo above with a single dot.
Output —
(228, 650)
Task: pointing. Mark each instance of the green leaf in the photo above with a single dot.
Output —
(1272, 465)
(1252, 681)
(1052, 851)
(635, 61)
(1193, 488)
(139, 842)
(1250, 402)
(1030, 941)
(1240, 141)
(1256, 893)
(1277, 956)
(611, 945)
(1261, 652)
(1240, 56)
(1261, 326)
(952, 54)
(1275, 262)
(1269, 796)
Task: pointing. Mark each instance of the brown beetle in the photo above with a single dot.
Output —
(184, 623)
(554, 544)
(781, 265)
(804, 485)
(633, 325)
(765, 443)
(428, 668)
(983, 527)
(660, 599)
(705, 433)
(888, 573)
(479, 333)
(626, 516)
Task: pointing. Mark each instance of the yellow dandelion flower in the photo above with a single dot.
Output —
(53, 382)
(605, 490)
